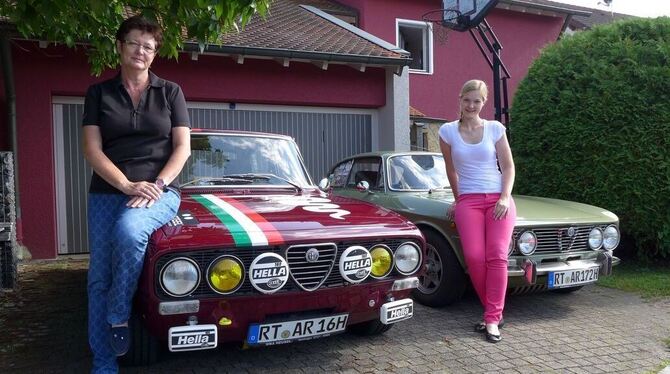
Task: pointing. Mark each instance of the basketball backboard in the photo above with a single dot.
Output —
(472, 12)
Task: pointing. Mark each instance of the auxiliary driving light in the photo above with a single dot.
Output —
(226, 274)
(382, 261)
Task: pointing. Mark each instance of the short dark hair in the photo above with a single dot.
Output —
(142, 24)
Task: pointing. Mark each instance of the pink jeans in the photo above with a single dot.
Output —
(485, 242)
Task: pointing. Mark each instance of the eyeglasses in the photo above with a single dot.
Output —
(148, 48)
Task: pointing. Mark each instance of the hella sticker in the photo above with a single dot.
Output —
(355, 264)
(268, 273)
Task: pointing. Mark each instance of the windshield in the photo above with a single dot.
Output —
(225, 159)
(417, 172)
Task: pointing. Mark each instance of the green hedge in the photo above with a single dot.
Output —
(591, 123)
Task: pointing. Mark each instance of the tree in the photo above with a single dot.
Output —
(92, 24)
(591, 123)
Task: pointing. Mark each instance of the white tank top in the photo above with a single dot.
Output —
(475, 164)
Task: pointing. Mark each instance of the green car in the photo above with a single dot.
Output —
(556, 245)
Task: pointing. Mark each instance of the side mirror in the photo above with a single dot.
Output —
(363, 186)
(324, 184)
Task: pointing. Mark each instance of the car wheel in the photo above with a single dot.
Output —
(568, 289)
(144, 348)
(444, 281)
(373, 327)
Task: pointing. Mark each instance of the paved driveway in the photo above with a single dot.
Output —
(595, 330)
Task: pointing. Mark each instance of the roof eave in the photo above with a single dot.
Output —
(297, 55)
(541, 7)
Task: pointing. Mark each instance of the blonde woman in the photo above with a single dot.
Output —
(484, 210)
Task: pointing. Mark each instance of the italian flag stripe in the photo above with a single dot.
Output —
(239, 235)
(244, 230)
(273, 236)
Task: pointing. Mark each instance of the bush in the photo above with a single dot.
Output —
(591, 123)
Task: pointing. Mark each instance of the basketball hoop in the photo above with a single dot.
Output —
(442, 21)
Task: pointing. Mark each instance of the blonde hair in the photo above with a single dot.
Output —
(473, 85)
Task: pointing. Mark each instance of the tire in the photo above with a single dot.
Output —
(369, 328)
(144, 348)
(444, 281)
(8, 270)
(567, 290)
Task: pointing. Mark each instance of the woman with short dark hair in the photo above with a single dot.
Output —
(136, 139)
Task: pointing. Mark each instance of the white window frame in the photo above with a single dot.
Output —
(428, 52)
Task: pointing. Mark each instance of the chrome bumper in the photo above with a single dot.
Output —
(530, 270)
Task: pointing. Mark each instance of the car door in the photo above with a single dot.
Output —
(348, 174)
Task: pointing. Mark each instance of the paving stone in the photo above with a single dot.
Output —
(595, 330)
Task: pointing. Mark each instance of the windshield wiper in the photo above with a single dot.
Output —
(264, 176)
(216, 180)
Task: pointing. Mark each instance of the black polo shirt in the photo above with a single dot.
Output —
(137, 140)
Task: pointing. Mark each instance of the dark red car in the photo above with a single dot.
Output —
(259, 255)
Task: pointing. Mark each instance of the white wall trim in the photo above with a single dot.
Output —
(429, 34)
(65, 100)
(59, 164)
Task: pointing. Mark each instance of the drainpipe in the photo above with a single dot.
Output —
(8, 75)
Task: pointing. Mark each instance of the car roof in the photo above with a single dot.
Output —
(238, 133)
(387, 154)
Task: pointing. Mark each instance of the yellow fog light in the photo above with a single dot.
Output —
(226, 274)
(382, 261)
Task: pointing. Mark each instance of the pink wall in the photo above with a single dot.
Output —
(43, 73)
(459, 59)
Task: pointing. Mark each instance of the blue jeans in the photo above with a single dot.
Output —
(118, 238)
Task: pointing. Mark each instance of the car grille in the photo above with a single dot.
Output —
(310, 275)
(304, 276)
(555, 239)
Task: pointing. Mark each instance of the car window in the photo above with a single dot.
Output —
(340, 174)
(274, 160)
(366, 169)
(417, 172)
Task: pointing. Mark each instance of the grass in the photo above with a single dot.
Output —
(649, 281)
(660, 367)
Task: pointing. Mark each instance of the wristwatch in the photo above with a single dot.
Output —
(160, 183)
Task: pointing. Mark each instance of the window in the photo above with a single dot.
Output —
(340, 174)
(416, 37)
(366, 169)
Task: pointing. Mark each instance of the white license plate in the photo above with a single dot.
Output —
(396, 311)
(289, 331)
(569, 278)
(191, 338)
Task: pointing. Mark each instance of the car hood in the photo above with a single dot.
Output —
(531, 210)
(231, 219)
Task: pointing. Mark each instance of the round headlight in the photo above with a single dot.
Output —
(180, 276)
(407, 258)
(225, 274)
(527, 243)
(595, 238)
(382, 261)
(610, 237)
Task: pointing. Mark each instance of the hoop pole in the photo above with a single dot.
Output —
(496, 81)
